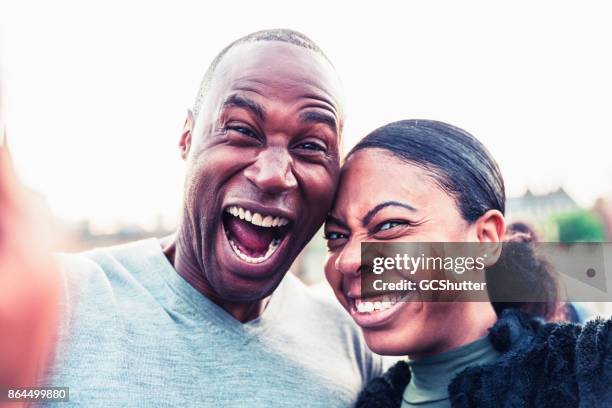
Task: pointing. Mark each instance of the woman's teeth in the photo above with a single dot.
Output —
(386, 302)
(256, 218)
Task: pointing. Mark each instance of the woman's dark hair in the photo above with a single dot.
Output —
(463, 167)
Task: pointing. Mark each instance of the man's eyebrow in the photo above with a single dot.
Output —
(366, 220)
(318, 117)
(331, 219)
(239, 101)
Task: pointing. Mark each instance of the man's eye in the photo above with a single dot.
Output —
(312, 146)
(243, 130)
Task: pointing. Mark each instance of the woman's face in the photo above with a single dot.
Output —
(384, 199)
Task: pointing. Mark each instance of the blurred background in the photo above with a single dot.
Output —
(95, 95)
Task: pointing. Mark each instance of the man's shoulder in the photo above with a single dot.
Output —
(317, 300)
(110, 271)
(315, 309)
(313, 312)
(108, 260)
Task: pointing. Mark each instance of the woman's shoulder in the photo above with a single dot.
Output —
(594, 362)
(517, 331)
(596, 336)
(386, 391)
(539, 361)
(541, 364)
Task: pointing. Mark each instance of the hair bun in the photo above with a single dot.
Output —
(520, 232)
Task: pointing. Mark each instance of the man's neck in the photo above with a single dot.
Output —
(183, 261)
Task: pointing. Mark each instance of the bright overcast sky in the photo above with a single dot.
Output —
(95, 95)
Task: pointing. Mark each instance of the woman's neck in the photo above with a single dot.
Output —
(470, 322)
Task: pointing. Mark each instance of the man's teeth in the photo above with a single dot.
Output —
(271, 249)
(256, 218)
(386, 302)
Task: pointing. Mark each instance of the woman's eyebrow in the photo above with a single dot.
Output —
(331, 219)
(366, 220)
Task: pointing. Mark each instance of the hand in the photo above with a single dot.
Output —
(29, 282)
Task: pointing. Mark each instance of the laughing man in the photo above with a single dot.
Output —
(211, 317)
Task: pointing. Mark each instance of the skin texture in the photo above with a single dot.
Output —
(277, 152)
(417, 328)
(29, 285)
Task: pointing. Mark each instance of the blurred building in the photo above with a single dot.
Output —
(540, 210)
(80, 236)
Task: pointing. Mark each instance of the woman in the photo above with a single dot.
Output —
(426, 181)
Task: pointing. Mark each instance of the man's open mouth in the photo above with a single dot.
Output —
(254, 237)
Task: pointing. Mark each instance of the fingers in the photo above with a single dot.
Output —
(10, 191)
(29, 285)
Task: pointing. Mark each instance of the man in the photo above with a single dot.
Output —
(209, 318)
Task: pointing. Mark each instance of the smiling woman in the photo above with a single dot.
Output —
(426, 181)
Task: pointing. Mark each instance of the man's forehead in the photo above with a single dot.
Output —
(277, 67)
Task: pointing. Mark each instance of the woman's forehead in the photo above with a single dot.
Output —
(372, 176)
(376, 170)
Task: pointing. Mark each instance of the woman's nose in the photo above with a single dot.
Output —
(349, 260)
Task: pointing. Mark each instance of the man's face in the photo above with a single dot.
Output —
(263, 165)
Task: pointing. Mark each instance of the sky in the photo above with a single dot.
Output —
(95, 94)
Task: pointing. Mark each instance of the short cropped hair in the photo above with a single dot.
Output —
(279, 34)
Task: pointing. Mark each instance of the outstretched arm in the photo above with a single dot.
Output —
(29, 285)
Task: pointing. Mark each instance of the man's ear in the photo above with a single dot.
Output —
(490, 229)
(186, 136)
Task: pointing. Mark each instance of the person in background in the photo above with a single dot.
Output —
(427, 181)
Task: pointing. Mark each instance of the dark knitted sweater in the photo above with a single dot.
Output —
(542, 365)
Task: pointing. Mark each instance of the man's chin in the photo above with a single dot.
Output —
(232, 287)
(238, 281)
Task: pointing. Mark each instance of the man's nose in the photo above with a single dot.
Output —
(272, 172)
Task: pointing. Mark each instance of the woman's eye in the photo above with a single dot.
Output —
(332, 236)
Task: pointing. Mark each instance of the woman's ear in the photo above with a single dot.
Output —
(185, 141)
(490, 229)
